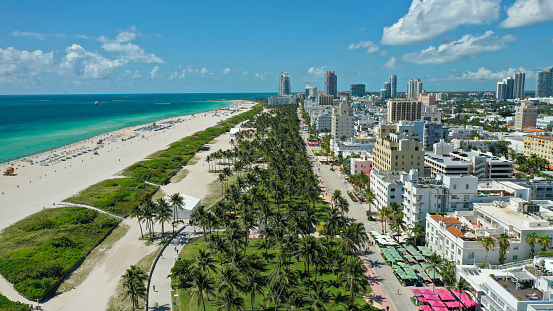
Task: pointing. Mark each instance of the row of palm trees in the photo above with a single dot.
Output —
(281, 201)
(161, 211)
(503, 241)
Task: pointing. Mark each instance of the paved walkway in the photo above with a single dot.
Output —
(160, 298)
(387, 289)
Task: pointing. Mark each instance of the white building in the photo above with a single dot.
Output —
(457, 236)
(387, 187)
(354, 145)
(362, 165)
(282, 100)
(342, 121)
(465, 162)
(444, 194)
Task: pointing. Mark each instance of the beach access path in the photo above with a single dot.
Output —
(37, 187)
(388, 291)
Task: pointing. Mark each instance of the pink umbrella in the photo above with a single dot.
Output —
(436, 303)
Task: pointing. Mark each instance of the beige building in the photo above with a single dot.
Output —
(541, 145)
(398, 152)
(401, 109)
(526, 115)
(326, 99)
(343, 121)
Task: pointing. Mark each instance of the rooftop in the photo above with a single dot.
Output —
(456, 232)
(526, 292)
(388, 176)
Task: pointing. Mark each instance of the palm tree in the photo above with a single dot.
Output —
(434, 262)
(488, 243)
(545, 242)
(137, 213)
(134, 286)
(163, 213)
(252, 282)
(531, 240)
(229, 280)
(353, 277)
(319, 297)
(201, 287)
(230, 301)
(463, 287)
(504, 243)
(177, 202)
(205, 262)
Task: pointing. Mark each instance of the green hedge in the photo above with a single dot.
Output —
(117, 196)
(165, 164)
(8, 305)
(38, 251)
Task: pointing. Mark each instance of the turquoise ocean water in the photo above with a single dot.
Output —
(30, 124)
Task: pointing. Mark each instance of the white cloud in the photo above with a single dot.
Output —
(82, 36)
(368, 45)
(315, 73)
(128, 51)
(390, 64)
(427, 19)
(153, 73)
(466, 47)
(487, 74)
(261, 76)
(36, 35)
(79, 62)
(17, 65)
(528, 12)
(245, 73)
(204, 71)
(226, 71)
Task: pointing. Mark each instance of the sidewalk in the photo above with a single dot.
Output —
(160, 299)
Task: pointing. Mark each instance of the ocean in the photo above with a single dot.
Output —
(30, 124)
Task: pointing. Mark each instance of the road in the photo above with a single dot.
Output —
(384, 273)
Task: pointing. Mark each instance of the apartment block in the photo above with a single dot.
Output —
(540, 145)
(398, 110)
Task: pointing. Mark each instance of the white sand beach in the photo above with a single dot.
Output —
(35, 187)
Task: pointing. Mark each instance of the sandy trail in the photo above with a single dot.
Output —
(36, 187)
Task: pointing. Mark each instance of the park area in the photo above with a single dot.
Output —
(304, 289)
(37, 252)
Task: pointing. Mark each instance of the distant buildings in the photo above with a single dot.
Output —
(357, 90)
(469, 162)
(511, 88)
(414, 88)
(331, 84)
(326, 99)
(393, 86)
(342, 121)
(284, 84)
(544, 83)
(526, 115)
(401, 109)
(310, 91)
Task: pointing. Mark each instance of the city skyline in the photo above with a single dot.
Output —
(217, 47)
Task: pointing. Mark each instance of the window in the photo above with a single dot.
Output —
(515, 248)
(470, 255)
(515, 257)
(459, 251)
(466, 186)
(454, 187)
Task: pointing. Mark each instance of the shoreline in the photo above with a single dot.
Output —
(6, 163)
(35, 187)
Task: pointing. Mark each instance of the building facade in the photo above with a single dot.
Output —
(526, 115)
(540, 145)
(284, 84)
(398, 110)
(393, 154)
(393, 86)
(387, 187)
(343, 121)
(357, 90)
(520, 78)
(414, 88)
(331, 84)
(544, 83)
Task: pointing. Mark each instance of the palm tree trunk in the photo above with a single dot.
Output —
(141, 233)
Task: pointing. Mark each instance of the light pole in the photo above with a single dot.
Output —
(176, 304)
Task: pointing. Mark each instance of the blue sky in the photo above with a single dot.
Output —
(50, 47)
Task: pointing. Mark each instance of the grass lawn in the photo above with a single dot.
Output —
(255, 246)
(37, 251)
(8, 305)
(117, 196)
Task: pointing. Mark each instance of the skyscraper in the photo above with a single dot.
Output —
(357, 90)
(331, 83)
(519, 85)
(414, 88)
(393, 86)
(510, 87)
(284, 84)
(544, 83)
(501, 92)
(388, 88)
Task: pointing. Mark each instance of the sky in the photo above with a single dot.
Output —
(101, 47)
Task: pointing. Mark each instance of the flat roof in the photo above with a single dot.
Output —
(388, 176)
(509, 216)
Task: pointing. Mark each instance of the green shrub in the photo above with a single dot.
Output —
(8, 305)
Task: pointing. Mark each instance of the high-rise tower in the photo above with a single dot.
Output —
(331, 84)
(393, 86)
(284, 84)
(414, 88)
(544, 83)
(519, 85)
